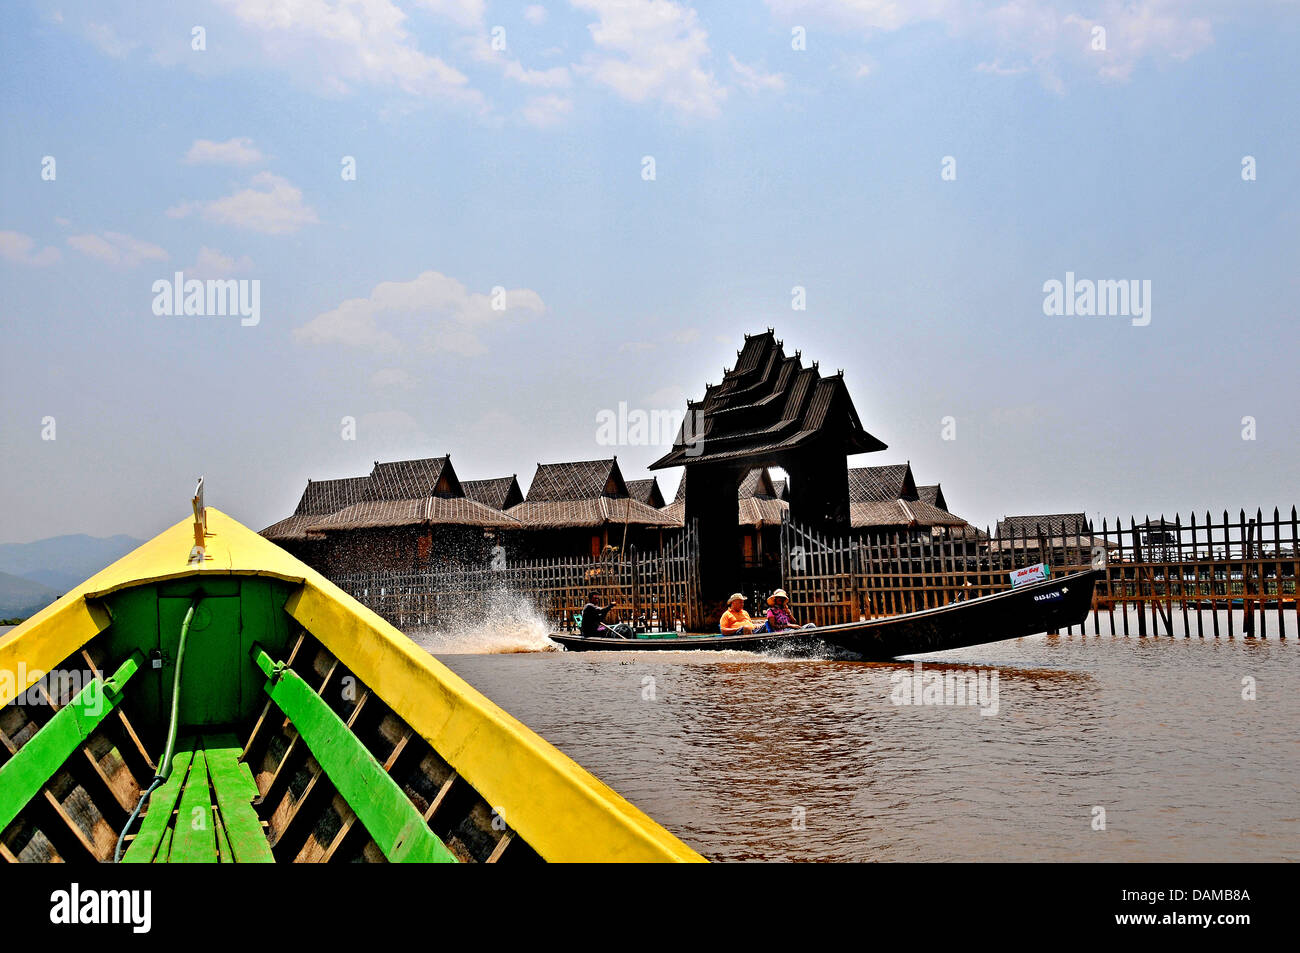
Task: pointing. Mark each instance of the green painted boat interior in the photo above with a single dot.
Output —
(222, 687)
(280, 754)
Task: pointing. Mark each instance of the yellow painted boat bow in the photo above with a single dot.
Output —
(558, 809)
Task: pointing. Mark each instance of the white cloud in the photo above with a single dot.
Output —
(652, 50)
(106, 39)
(545, 111)
(1044, 36)
(755, 80)
(535, 14)
(480, 49)
(211, 263)
(238, 151)
(271, 205)
(466, 13)
(18, 248)
(432, 310)
(339, 44)
(117, 249)
(392, 378)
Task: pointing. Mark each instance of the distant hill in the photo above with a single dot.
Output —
(21, 597)
(62, 562)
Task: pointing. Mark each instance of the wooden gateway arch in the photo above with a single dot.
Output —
(769, 410)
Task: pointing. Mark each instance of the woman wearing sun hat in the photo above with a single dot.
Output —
(778, 615)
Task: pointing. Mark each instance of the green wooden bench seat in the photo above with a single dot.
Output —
(203, 812)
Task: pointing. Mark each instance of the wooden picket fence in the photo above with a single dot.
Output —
(1205, 570)
(660, 585)
(1214, 576)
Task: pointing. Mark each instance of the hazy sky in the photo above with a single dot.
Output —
(520, 165)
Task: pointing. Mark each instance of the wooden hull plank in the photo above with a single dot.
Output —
(23, 775)
(382, 807)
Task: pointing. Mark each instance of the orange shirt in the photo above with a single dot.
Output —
(732, 622)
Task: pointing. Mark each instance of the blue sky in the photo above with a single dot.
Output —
(521, 168)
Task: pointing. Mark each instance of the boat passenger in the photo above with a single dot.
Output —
(736, 621)
(593, 617)
(778, 614)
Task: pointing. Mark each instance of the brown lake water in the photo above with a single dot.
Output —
(748, 757)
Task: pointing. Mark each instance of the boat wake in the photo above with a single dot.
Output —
(510, 624)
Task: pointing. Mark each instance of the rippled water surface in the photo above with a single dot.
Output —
(729, 750)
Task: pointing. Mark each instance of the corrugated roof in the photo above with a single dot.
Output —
(581, 480)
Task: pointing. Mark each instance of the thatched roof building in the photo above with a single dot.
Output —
(933, 495)
(320, 498)
(500, 493)
(882, 484)
(647, 492)
(583, 507)
(887, 498)
(1057, 529)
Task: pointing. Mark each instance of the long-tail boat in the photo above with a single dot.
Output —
(208, 697)
(1054, 603)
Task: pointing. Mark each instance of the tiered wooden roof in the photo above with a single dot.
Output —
(769, 404)
(500, 493)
